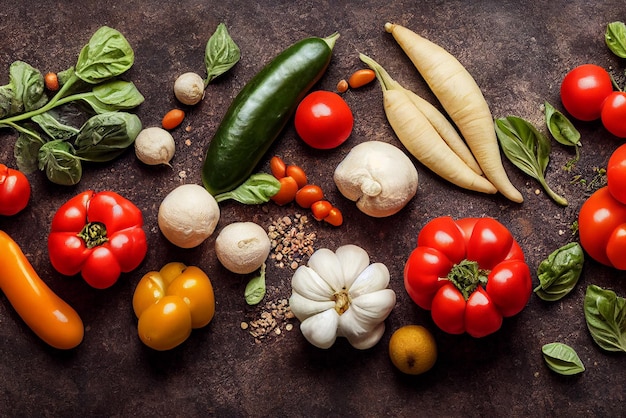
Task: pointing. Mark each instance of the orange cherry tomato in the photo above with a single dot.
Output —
(308, 195)
(321, 209)
(51, 81)
(172, 119)
(335, 218)
(287, 191)
(51, 318)
(361, 77)
(278, 167)
(298, 175)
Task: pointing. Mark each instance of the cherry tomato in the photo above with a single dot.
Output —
(614, 114)
(324, 120)
(601, 223)
(616, 174)
(583, 91)
(14, 191)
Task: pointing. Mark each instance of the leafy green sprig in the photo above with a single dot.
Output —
(46, 140)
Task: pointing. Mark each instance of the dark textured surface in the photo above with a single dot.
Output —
(518, 53)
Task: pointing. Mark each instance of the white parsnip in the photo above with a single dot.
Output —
(462, 99)
(421, 139)
(446, 130)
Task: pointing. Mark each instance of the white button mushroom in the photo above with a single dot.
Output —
(242, 247)
(378, 176)
(188, 215)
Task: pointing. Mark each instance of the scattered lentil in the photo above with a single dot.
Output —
(291, 243)
(273, 317)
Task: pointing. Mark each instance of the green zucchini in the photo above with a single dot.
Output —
(261, 110)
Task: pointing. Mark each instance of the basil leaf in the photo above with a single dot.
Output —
(259, 188)
(107, 55)
(562, 359)
(559, 273)
(255, 289)
(615, 38)
(221, 53)
(560, 127)
(605, 314)
(118, 94)
(528, 149)
(105, 136)
(26, 152)
(54, 128)
(58, 160)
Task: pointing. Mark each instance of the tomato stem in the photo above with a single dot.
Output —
(94, 234)
(467, 276)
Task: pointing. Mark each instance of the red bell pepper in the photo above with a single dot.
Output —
(99, 235)
(469, 273)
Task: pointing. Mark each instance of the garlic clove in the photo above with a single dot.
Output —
(309, 284)
(369, 340)
(374, 277)
(353, 260)
(303, 307)
(321, 329)
(326, 263)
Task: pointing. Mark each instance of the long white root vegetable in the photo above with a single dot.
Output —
(421, 139)
(445, 129)
(462, 99)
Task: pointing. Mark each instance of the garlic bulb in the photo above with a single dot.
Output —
(340, 294)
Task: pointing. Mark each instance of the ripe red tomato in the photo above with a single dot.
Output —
(602, 227)
(614, 114)
(14, 191)
(616, 174)
(583, 91)
(324, 120)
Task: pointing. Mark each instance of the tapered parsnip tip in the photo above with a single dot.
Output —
(389, 27)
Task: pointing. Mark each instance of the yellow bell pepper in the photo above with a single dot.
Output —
(169, 303)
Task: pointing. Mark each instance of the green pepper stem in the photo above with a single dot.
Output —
(93, 234)
(467, 276)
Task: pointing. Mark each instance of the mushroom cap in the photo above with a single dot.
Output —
(188, 215)
(242, 247)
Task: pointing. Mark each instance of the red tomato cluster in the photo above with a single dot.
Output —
(469, 273)
(602, 218)
(587, 94)
(323, 120)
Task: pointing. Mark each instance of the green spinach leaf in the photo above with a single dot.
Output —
(615, 38)
(53, 127)
(605, 314)
(28, 88)
(559, 273)
(528, 149)
(105, 136)
(562, 359)
(107, 54)
(26, 151)
(58, 160)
